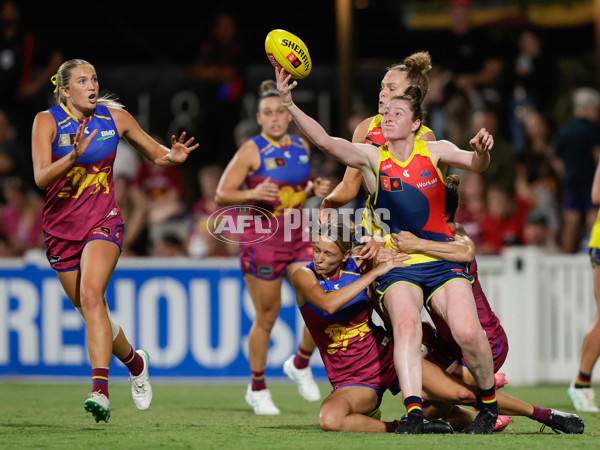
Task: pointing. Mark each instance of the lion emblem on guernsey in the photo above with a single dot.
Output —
(79, 179)
(289, 198)
(340, 335)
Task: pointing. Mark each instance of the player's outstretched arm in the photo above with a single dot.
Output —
(341, 149)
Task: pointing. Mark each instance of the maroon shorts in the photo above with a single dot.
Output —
(270, 262)
(384, 380)
(446, 353)
(64, 255)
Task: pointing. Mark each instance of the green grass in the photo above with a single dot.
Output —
(215, 416)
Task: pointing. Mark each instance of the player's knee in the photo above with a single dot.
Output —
(407, 331)
(91, 300)
(469, 337)
(330, 420)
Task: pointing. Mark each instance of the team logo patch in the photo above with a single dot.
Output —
(274, 163)
(265, 271)
(102, 231)
(66, 140)
(391, 184)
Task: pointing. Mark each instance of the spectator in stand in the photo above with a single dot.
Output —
(164, 190)
(217, 75)
(504, 222)
(12, 152)
(134, 208)
(501, 170)
(532, 81)
(577, 145)
(201, 243)
(169, 245)
(537, 180)
(471, 211)
(21, 218)
(538, 233)
(27, 62)
(469, 66)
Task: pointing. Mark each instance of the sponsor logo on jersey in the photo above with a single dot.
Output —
(274, 163)
(391, 184)
(405, 173)
(66, 140)
(106, 134)
(425, 173)
(427, 184)
(303, 159)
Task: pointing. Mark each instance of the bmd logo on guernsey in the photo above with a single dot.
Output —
(242, 224)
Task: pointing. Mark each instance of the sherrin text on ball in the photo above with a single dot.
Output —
(286, 50)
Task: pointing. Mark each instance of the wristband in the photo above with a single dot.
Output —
(288, 105)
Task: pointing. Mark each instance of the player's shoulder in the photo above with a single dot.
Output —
(362, 129)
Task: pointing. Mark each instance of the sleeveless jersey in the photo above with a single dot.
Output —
(351, 346)
(85, 195)
(375, 137)
(595, 236)
(410, 196)
(288, 167)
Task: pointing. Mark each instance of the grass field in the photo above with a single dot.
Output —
(215, 416)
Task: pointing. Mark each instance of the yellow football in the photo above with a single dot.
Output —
(286, 50)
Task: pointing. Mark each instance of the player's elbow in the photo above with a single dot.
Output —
(41, 183)
(221, 198)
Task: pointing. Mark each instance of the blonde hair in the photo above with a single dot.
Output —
(340, 233)
(416, 67)
(268, 88)
(63, 76)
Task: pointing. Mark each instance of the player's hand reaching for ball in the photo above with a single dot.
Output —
(283, 87)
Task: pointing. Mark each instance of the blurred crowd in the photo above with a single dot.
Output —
(535, 192)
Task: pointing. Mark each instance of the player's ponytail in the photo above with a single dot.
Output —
(416, 67)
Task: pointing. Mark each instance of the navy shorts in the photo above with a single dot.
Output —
(429, 277)
(595, 256)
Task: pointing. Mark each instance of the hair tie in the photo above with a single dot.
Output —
(54, 80)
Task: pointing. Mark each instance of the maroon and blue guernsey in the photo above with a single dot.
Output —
(287, 166)
(85, 195)
(353, 349)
